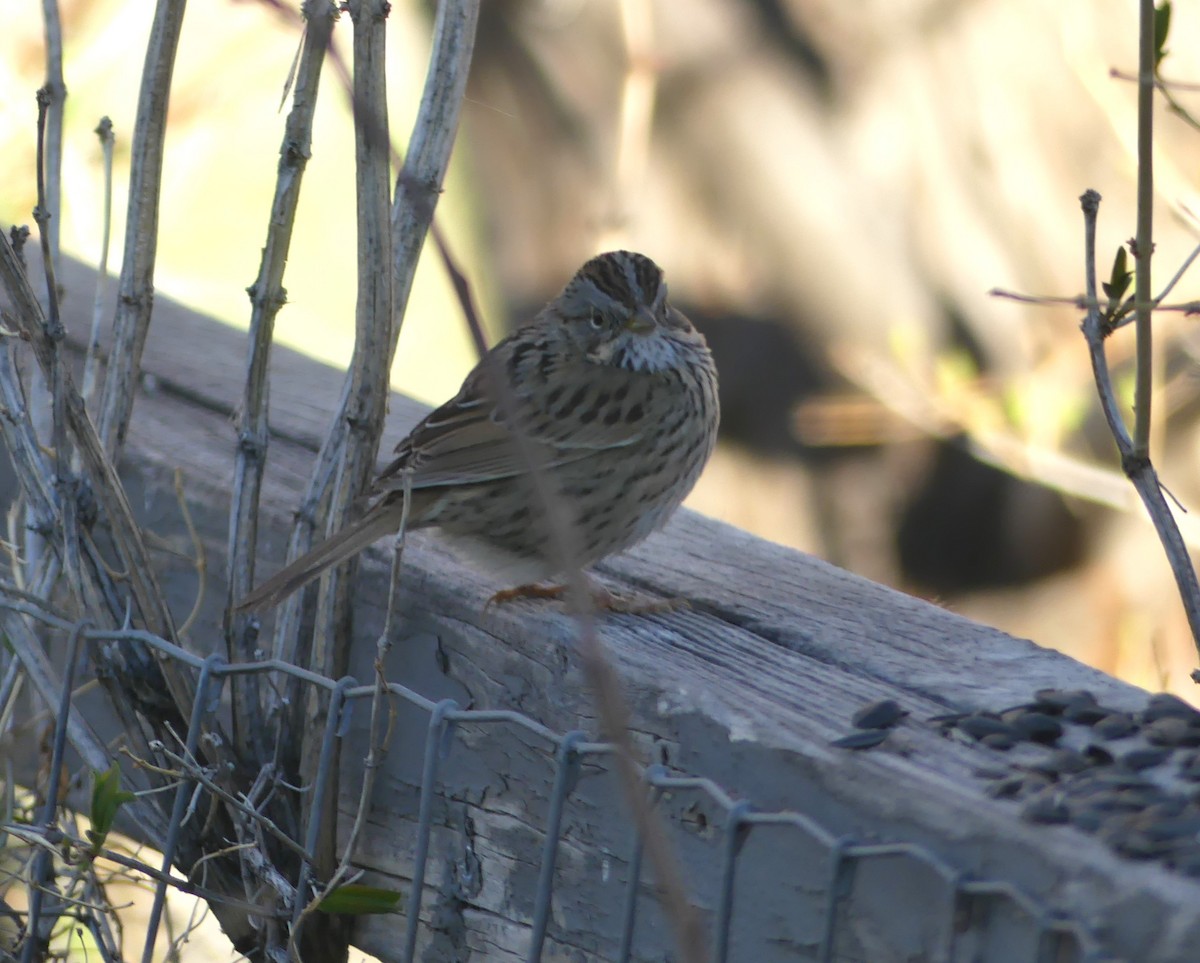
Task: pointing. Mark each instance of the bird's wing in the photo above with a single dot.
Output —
(468, 440)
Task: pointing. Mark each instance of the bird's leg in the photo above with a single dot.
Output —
(603, 598)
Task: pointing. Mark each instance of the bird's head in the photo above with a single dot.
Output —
(615, 309)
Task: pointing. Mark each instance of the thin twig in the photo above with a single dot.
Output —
(1144, 246)
(1187, 263)
(11, 686)
(26, 456)
(200, 560)
(1117, 74)
(366, 397)
(136, 287)
(1082, 303)
(377, 747)
(53, 334)
(1076, 302)
(32, 722)
(420, 180)
(1136, 464)
(267, 296)
(189, 768)
(1168, 89)
(104, 130)
(50, 132)
(56, 94)
(56, 839)
(366, 407)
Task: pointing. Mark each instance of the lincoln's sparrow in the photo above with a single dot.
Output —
(615, 394)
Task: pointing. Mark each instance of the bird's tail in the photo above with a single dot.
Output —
(376, 523)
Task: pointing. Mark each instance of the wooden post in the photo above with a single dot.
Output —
(748, 688)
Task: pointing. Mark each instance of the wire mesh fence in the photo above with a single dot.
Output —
(834, 890)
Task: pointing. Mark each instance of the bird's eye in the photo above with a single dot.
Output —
(595, 321)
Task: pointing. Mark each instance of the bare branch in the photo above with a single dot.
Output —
(136, 288)
(374, 318)
(104, 130)
(56, 96)
(1135, 462)
(428, 156)
(363, 415)
(267, 296)
(1144, 246)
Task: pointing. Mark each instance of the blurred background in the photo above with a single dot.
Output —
(832, 188)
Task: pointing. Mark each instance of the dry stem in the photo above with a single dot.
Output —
(136, 287)
(1135, 462)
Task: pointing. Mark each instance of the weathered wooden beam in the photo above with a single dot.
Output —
(748, 688)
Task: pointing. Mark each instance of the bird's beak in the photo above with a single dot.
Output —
(641, 322)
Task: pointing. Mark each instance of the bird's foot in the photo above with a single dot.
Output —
(531, 591)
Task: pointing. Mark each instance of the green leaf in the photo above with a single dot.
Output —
(1162, 27)
(1118, 281)
(358, 900)
(107, 799)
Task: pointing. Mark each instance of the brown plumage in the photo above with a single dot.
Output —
(616, 395)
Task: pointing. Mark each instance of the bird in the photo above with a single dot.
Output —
(613, 394)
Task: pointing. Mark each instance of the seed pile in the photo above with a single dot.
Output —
(1130, 779)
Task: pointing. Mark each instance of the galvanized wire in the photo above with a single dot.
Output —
(1058, 937)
